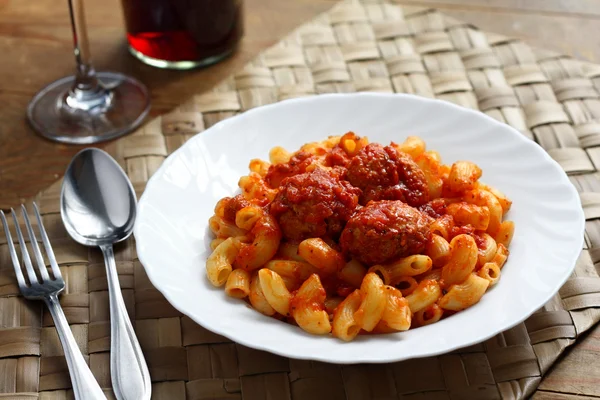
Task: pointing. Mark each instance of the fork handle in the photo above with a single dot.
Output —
(129, 372)
(85, 385)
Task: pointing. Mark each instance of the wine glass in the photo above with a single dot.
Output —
(88, 107)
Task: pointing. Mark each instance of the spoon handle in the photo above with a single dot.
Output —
(128, 369)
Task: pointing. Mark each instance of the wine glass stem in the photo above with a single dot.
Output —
(85, 79)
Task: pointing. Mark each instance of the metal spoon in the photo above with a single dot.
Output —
(98, 208)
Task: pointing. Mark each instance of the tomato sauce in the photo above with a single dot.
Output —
(468, 230)
(296, 165)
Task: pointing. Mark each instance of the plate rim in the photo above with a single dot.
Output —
(565, 182)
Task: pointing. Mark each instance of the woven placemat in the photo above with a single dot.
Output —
(357, 46)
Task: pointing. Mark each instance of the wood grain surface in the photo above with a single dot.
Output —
(36, 48)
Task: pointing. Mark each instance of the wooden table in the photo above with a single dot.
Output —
(35, 49)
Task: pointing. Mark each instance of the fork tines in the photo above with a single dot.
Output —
(44, 278)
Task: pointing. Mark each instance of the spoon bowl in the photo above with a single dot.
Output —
(98, 203)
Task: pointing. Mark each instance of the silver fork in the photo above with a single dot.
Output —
(47, 289)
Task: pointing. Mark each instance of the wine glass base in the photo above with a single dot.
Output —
(125, 103)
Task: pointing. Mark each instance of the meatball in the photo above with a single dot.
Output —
(376, 193)
(314, 204)
(374, 165)
(296, 165)
(384, 231)
(413, 178)
(383, 173)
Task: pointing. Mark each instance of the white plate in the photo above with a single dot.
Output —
(172, 230)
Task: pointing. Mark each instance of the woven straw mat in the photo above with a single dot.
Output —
(357, 46)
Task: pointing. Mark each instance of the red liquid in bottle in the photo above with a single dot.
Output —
(200, 31)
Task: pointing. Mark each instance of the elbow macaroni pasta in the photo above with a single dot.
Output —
(428, 315)
(487, 251)
(259, 167)
(308, 307)
(218, 265)
(298, 270)
(430, 165)
(396, 315)
(279, 155)
(464, 294)
(382, 273)
(373, 302)
(463, 176)
(463, 260)
(443, 226)
(267, 237)
(345, 326)
(320, 255)
(424, 295)
(470, 214)
(414, 265)
(407, 285)
(413, 146)
(238, 284)
(315, 285)
(482, 197)
(438, 249)
(275, 292)
(352, 273)
(257, 297)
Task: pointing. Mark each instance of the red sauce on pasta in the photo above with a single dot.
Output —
(480, 241)
(335, 286)
(337, 157)
(313, 202)
(232, 206)
(435, 208)
(460, 230)
(468, 230)
(367, 198)
(296, 165)
(359, 205)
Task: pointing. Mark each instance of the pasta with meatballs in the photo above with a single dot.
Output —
(348, 237)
